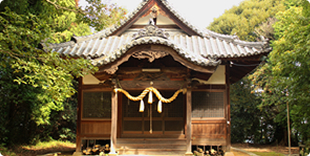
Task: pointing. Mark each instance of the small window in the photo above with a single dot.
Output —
(207, 104)
(97, 105)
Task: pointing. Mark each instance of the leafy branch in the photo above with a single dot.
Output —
(57, 6)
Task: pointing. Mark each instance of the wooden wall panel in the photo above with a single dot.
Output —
(95, 128)
(209, 132)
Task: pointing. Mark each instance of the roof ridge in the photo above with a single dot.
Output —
(232, 38)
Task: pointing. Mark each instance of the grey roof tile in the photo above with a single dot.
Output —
(194, 48)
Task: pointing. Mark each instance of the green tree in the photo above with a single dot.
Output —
(250, 20)
(36, 86)
(34, 82)
(243, 19)
(288, 68)
(244, 117)
(63, 17)
(101, 14)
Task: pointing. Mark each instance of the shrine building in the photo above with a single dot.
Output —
(162, 87)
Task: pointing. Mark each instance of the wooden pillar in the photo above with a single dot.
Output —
(189, 122)
(78, 150)
(228, 135)
(113, 123)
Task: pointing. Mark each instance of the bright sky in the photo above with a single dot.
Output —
(198, 12)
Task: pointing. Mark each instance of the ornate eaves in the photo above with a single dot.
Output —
(196, 59)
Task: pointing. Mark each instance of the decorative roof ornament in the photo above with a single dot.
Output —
(150, 55)
(214, 61)
(149, 31)
(154, 12)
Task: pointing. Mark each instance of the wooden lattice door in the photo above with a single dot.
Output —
(150, 123)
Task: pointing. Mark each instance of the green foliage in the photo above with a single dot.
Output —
(290, 63)
(36, 85)
(265, 29)
(100, 15)
(286, 78)
(244, 116)
(243, 19)
(5, 151)
(248, 122)
(250, 20)
(20, 36)
(38, 88)
(62, 16)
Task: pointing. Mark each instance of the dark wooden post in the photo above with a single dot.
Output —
(78, 150)
(228, 135)
(113, 123)
(189, 121)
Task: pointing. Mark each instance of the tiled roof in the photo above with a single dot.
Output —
(199, 50)
(202, 49)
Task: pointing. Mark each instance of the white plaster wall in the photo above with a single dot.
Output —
(90, 79)
(218, 77)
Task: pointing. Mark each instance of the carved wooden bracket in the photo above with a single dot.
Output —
(151, 30)
(151, 55)
(111, 70)
(139, 53)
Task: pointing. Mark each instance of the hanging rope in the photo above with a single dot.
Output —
(155, 91)
(151, 90)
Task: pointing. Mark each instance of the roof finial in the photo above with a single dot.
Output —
(154, 14)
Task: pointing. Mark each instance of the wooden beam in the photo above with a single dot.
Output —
(98, 88)
(113, 123)
(159, 26)
(209, 121)
(138, 70)
(165, 84)
(210, 87)
(79, 117)
(189, 122)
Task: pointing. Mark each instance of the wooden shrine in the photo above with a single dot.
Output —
(162, 85)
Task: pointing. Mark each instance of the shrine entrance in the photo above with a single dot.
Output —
(150, 123)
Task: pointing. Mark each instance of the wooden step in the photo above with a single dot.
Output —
(149, 152)
(152, 141)
(151, 146)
